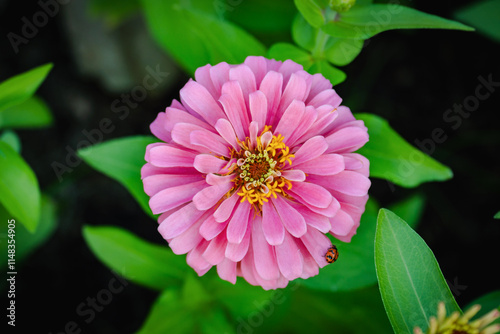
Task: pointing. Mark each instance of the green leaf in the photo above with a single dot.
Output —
(410, 281)
(497, 215)
(144, 263)
(19, 190)
(168, 316)
(342, 51)
(11, 138)
(488, 302)
(122, 159)
(194, 38)
(333, 74)
(366, 21)
(410, 209)
(21, 87)
(394, 159)
(303, 33)
(31, 113)
(215, 322)
(25, 241)
(284, 51)
(484, 16)
(311, 11)
(355, 267)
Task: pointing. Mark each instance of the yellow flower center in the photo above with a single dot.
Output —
(259, 166)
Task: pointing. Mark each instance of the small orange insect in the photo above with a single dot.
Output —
(332, 254)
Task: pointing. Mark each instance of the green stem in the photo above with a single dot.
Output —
(319, 48)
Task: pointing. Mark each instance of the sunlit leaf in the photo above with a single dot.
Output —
(284, 51)
(311, 11)
(333, 74)
(394, 159)
(484, 16)
(30, 113)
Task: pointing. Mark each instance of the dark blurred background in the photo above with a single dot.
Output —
(408, 77)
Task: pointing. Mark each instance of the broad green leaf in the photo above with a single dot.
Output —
(11, 138)
(488, 302)
(342, 51)
(30, 113)
(355, 267)
(215, 321)
(19, 190)
(394, 159)
(194, 38)
(311, 11)
(284, 51)
(19, 88)
(168, 316)
(484, 16)
(303, 34)
(25, 241)
(410, 281)
(366, 21)
(139, 261)
(122, 160)
(333, 74)
(410, 209)
(497, 215)
(115, 11)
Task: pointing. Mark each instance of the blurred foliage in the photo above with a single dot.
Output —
(484, 16)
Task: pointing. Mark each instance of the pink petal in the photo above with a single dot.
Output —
(199, 99)
(289, 258)
(155, 183)
(220, 75)
(258, 108)
(265, 258)
(224, 210)
(258, 65)
(181, 135)
(179, 221)
(302, 127)
(236, 252)
(246, 79)
(329, 211)
(226, 131)
(289, 68)
(317, 245)
(214, 254)
(210, 228)
(294, 175)
(311, 149)
(312, 194)
(158, 127)
(196, 260)
(326, 164)
(273, 228)
(342, 223)
(319, 84)
(271, 87)
(227, 270)
(295, 90)
(207, 163)
(349, 183)
(315, 220)
(187, 240)
(364, 169)
(170, 198)
(175, 115)
(234, 107)
(291, 218)
(238, 224)
(209, 196)
(202, 76)
(214, 143)
(347, 140)
(328, 96)
(288, 121)
(168, 156)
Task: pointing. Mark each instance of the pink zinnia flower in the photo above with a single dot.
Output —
(257, 166)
